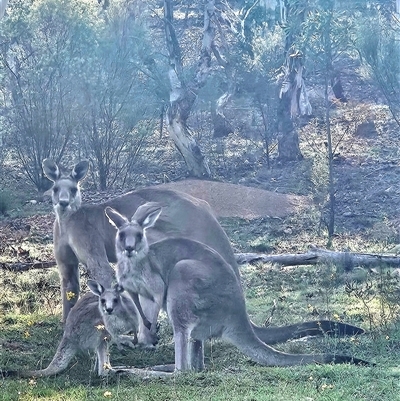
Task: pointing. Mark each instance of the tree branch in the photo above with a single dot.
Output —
(25, 266)
(315, 255)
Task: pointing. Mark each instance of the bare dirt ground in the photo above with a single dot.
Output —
(232, 200)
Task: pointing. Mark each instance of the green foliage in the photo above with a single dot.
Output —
(77, 84)
(44, 43)
(327, 33)
(118, 98)
(377, 38)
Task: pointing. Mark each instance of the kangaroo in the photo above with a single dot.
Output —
(199, 290)
(98, 318)
(83, 235)
(119, 313)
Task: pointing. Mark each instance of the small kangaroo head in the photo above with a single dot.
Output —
(131, 235)
(109, 299)
(65, 192)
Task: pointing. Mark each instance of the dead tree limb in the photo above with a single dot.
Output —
(348, 260)
(25, 266)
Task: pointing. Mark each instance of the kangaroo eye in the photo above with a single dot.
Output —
(139, 236)
(55, 189)
(103, 301)
(74, 191)
(121, 236)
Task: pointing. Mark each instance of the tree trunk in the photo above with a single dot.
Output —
(222, 127)
(177, 128)
(182, 95)
(293, 100)
(3, 6)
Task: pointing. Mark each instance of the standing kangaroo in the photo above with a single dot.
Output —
(83, 235)
(98, 317)
(198, 289)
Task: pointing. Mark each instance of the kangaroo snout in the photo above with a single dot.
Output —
(130, 250)
(63, 203)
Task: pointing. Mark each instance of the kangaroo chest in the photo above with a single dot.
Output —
(141, 279)
(117, 325)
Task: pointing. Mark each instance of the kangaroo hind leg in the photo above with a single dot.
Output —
(197, 355)
(182, 350)
(103, 358)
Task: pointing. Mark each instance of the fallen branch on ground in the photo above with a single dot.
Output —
(25, 266)
(315, 255)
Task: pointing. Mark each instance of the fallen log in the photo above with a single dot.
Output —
(348, 260)
(25, 266)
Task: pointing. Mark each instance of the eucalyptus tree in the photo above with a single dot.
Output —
(43, 47)
(327, 37)
(184, 90)
(118, 96)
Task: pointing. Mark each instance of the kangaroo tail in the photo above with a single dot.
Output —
(274, 335)
(65, 352)
(248, 343)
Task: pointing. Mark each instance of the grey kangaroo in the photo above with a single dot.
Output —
(98, 317)
(199, 290)
(83, 235)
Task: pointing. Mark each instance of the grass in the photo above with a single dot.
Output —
(30, 334)
(324, 383)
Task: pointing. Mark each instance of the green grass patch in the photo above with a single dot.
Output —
(29, 338)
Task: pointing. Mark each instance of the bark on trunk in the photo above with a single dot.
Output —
(177, 128)
(222, 127)
(182, 95)
(293, 99)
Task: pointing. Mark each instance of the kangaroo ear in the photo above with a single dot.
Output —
(116, 219)
(151, 218)
(51, 170)
(95, 287)
(80, 170)
(146, 215)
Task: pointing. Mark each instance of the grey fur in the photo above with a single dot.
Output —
(199, 290)
(119, 313)
(99, 318)
(90, 327)
(82, 233)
